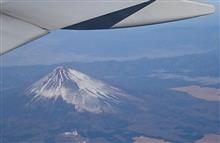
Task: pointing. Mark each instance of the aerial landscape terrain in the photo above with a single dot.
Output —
(158, 100)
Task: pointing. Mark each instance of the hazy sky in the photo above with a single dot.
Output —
(163, 40)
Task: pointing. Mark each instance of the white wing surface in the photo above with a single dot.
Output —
(15, 32)
(25, 20)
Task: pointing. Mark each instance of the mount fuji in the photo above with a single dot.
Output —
(84, 93)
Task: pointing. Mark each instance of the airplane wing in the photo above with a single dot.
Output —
(25, 20)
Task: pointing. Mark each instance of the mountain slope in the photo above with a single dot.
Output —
(77, 89)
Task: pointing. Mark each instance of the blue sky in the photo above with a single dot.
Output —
(164, 40)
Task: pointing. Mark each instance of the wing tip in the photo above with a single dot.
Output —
(206, 9)
(211, 8)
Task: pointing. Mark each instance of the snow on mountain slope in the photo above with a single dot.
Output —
(78, 89)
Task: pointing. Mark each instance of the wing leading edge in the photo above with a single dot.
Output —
(24, 21)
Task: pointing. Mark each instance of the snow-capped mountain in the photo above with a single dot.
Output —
(78, 89)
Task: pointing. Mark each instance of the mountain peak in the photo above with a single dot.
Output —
(78, 89)
(60, 69)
